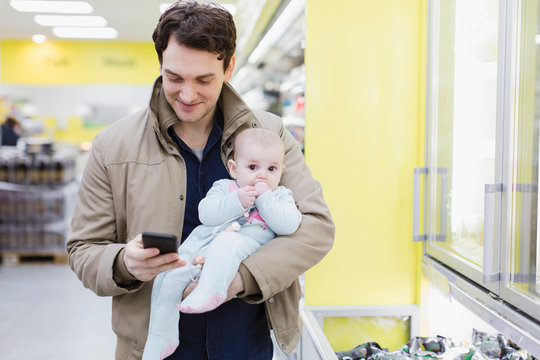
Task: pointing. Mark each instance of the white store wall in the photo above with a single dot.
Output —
(63, 101)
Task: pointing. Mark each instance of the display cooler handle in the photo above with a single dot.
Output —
(416, 205)
(492, 197)
(443, 173)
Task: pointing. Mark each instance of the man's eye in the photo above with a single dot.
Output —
(252, 167)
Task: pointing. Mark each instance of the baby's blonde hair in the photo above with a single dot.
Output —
(258, 136)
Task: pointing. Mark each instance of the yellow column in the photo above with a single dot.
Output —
(365, 65)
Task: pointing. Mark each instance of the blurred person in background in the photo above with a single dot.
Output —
(10, 131)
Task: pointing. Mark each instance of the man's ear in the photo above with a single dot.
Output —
(230, 69)
(232, 168)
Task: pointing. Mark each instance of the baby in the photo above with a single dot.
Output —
(238, 217)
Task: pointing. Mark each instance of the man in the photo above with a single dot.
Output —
(148, 172)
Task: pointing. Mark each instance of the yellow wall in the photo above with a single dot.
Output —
(365, 100)
(364, 134)
(72, 62)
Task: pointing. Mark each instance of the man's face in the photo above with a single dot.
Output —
(192, 81)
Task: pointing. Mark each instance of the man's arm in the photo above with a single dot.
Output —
(95, 255)
(93, 251)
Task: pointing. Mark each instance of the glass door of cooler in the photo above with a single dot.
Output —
(464, 137)
(520, 280)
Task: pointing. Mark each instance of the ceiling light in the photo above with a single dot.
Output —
(85, 32)
(39, 38)
(67, 20)
(229, 7)
(59, 7)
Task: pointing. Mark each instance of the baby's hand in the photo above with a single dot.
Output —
(261, 188)
(247, 196)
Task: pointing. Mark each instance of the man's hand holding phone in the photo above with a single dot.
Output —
(146, 263)
(166, 243)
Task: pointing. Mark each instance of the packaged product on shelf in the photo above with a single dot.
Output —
(362, 351)
(35, 217)
(484, 347)
(37, 196)
(3, 171)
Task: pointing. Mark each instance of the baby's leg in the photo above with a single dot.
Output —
(223, 257)
(163, 329)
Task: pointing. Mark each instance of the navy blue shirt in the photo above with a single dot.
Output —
(235, 330)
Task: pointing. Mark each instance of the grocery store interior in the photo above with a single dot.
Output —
(420, 119)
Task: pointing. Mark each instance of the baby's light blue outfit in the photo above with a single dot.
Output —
(228, 234)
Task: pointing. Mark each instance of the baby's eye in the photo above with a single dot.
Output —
(252, 167)
(272, 168)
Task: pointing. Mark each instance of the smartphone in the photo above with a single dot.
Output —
(166, 243)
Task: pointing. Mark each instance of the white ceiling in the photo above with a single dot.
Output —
(134, 20)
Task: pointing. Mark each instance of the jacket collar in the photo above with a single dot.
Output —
(164, 115)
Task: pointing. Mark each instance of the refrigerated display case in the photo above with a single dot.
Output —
(476, 203)
(476, 198)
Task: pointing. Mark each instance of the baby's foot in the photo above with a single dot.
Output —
(191, 306)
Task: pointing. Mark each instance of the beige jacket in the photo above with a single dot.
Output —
(135, 181)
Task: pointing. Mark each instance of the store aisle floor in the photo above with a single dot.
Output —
(46, 313)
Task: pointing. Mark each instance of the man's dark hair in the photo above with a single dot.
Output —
(199, 26)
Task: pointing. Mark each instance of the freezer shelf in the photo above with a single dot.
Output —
(315, 345)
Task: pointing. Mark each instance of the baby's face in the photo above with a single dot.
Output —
(257, 164)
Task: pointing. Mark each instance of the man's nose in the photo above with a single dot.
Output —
(188, 93)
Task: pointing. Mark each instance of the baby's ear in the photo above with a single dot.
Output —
(232, 168)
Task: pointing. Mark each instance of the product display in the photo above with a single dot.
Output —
(37, 194)
(483, 347)
(36, 166)
(362, 351)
